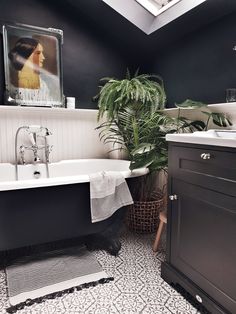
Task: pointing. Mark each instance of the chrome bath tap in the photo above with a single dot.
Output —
(35, 132)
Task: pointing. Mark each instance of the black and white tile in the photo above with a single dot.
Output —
(137, 288)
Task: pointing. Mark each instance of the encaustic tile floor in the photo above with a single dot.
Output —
(137, 287)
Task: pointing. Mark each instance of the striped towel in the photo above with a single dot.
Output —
(108, 192)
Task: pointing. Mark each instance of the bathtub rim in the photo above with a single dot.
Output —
(65, 180)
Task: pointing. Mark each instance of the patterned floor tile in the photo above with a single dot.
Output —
(155, 309)
(129, 303)
(98, 308)
(137, 287)
(105, 292)
(178, 305)
(130, 267)
(129, 284)
(155, 295)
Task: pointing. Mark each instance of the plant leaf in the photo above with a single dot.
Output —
(190, 104)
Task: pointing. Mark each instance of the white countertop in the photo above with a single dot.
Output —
(225, 138)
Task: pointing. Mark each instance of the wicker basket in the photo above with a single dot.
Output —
(143, 217)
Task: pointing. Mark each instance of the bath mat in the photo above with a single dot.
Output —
(37, 278)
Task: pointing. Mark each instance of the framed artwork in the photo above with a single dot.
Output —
(33, 65)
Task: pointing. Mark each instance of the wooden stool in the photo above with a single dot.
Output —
(163, 219)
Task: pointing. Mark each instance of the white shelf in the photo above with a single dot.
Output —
(47, 111)
(229, 108)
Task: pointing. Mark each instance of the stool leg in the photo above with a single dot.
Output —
(158, 236)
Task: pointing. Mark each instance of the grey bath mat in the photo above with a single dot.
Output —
(34, 279)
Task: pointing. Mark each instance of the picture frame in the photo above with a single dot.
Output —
(33, 65)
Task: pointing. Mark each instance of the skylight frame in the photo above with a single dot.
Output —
(154, 9)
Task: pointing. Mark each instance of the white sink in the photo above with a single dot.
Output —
(225, 138)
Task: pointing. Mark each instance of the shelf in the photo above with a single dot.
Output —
(47, 111)
(218, 107)
(229, 108)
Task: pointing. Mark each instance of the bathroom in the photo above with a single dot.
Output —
(195, 56)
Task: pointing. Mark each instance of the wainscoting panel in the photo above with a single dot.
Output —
(73, 132)
(74, 135)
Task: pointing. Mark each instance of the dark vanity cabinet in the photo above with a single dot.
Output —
(201, 228)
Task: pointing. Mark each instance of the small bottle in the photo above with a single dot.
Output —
(231, 95)
(70, 102)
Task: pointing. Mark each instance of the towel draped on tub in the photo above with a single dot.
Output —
(108, 192)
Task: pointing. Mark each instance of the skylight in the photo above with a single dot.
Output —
(151, 15)
(156, 7)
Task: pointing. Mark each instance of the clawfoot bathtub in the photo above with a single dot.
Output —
(36, 209)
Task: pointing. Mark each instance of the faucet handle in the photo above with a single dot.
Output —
(48, 132)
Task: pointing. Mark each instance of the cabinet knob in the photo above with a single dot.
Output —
(199, 298)
(173, 197)
(205, 156)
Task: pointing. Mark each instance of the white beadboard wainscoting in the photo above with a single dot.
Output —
(73, 132)
(74, 135)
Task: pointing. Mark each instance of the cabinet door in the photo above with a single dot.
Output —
(203, 240)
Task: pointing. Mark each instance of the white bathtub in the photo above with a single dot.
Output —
(61, 173)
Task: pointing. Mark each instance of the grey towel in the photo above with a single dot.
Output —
(108, 192)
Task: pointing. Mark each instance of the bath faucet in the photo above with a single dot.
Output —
(34, 132)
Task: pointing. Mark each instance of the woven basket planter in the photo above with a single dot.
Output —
(143, 217)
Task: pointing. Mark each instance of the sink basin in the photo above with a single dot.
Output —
(225, 138)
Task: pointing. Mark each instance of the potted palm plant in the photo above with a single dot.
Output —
(137, 122)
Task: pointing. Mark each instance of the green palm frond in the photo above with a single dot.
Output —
(136, 121)
(145, 90)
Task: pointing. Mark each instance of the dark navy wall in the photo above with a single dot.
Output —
(88, 51)
(195, 61)
(201, 65)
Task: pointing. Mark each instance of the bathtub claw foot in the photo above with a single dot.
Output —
(97, 242)
(114, 247)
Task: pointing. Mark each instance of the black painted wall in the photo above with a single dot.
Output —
(197, 63)
(89, 52)
(201, 65)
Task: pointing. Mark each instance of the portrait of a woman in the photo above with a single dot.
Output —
(33, 69)
(27, 59)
